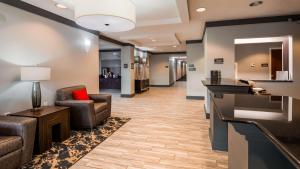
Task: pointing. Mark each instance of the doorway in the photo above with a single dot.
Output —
(276, 61)
(109, 68)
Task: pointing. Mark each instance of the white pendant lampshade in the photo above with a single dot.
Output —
(35, 73)
(103, 15)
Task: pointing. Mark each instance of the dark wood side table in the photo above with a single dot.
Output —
(53, 124)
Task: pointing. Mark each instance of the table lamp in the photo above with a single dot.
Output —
(35, 74)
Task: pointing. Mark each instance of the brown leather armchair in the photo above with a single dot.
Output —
(85, 114)
(16, 141)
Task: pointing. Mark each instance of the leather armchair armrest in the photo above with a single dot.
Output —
(20, 126)
(70, 103)
(80, 110)
(102, 98)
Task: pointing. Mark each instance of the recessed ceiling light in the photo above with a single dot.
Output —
(256, 3)
(60, 6)
(201, 9)
(153, 40)
(174, 46)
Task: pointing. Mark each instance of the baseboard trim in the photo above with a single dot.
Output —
(127, 95)
(195, 97)
(160, 85)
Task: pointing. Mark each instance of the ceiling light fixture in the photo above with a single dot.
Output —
(60, 6)
(256, 3)
(153, 40)
(103, 15)
(201, 9)
(174, 46)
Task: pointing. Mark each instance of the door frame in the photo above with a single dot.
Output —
(270, 60)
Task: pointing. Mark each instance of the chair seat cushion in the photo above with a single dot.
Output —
(9, 144)
(99, 107)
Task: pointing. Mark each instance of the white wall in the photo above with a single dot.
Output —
(178, 70)
(172, 69)
(163, 69)
(195, 55)
(219, 42)
(29, 40)
(159, 70)
(128, 76)
(249, 58)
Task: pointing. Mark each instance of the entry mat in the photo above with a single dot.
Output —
(64, 155)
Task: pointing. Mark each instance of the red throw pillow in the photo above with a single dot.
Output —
(80, 94)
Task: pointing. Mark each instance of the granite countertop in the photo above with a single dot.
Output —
(223, 82)
(278, 117)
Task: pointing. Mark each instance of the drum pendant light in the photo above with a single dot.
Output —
(103, 15)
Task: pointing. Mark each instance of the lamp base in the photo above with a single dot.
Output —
(36, 109)
(36, 95)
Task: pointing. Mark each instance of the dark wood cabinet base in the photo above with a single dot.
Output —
(53, 124)
(141, 85)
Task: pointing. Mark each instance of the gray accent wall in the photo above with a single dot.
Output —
(219, 42)
(31, 40)
(172, 70)
(195, 59)
(128, 75)
(249, 58)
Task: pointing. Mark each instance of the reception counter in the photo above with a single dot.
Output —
(222, 86)
(217, 127)
(263, 131)
(110, 83)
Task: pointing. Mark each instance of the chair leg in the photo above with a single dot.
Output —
(91, 129)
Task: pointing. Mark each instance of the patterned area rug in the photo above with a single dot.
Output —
(64, 155)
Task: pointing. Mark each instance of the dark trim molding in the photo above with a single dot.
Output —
(41, 12)
(273, 81)
(169, 53)
(105, 38)
(195, 97)
(258, 20)
(127, 95)
(110, 50)
(141, 50)
(114, 41)
(253, 20)
(194, 41)
(128, 44)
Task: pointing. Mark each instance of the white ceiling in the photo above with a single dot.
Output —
(172, 22)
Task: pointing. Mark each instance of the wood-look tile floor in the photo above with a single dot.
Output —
(166, 132)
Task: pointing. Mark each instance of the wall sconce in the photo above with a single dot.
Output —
(87, 44)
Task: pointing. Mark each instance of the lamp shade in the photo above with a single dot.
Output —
(35, 73)
(103, 15)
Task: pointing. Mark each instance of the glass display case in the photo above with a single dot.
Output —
(141, 65)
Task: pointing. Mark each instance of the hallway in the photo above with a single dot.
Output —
(166, 132)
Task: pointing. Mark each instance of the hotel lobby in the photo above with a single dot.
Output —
(149, 84)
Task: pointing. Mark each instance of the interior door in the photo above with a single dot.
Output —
(276, 62)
